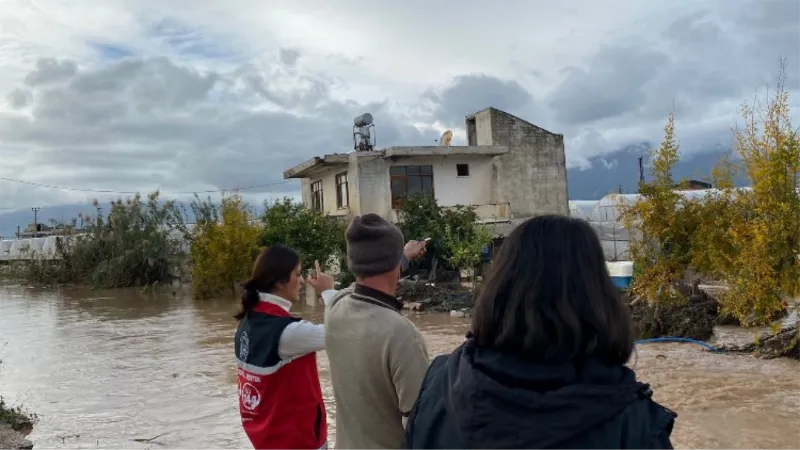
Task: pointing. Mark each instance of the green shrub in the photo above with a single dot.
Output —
(139, 242)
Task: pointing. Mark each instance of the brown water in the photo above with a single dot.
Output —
(103, 368)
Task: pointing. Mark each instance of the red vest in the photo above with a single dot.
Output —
(280, 401)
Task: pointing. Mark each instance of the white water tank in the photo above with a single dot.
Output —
(363, 120)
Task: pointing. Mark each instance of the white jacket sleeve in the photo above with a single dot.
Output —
(303, 337)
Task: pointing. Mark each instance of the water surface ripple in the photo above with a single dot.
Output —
(103, 368)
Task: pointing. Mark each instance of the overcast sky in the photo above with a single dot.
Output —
(199, 95)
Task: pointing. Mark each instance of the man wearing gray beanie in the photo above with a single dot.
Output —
(377, 357)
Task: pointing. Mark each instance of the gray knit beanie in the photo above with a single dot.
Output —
(374, 246)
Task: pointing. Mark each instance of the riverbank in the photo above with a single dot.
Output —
(15, 426)
(696, 319)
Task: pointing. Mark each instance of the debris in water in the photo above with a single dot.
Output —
(435, 297)
(784, 343)
(694, 319)
(150, 439)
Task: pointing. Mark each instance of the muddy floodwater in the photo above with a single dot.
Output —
(107, 368)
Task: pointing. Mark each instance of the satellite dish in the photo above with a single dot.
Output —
(447, 136)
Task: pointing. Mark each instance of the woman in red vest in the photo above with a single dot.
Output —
(280, 399)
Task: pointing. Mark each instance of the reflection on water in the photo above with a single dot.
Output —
(103, 368)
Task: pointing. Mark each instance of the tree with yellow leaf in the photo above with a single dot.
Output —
(764, 266)
(660, 245)
(224, 242)
(712, 246)
(747, 238)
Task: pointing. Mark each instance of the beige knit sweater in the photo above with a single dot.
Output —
(378, 359)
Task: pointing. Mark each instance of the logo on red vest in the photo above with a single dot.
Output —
(244, 346)
(249, 396)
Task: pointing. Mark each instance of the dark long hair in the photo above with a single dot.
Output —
(549, 296)
(274, 265)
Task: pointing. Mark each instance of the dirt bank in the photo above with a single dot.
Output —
(9, 438)
(15, 426)
(694, 319)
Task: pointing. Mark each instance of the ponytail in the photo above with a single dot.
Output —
(250, 299)
(274, 265)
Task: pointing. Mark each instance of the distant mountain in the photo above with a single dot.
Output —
(621, 168)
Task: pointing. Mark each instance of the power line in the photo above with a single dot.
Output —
(110, 191)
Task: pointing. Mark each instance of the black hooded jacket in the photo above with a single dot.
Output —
(479, 398)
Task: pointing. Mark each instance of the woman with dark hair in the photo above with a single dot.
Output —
(544, 363)
(280, 399)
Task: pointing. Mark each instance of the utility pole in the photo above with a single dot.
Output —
(641, 169)
(35, 210)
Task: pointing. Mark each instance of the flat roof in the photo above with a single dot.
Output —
(441, 150)
(307, 168)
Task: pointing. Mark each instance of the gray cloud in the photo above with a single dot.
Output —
(773, 30)
(146, 123)
(20, 98)
(49, 70)
(703, 64)
(614, 83)
(470, 93)
(193, 119)
(289, 56)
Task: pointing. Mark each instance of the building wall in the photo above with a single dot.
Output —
(449, 188)
(373, 184)
(370, 188)
(532, 176)
(305, 191)
(482, 128)
(352, 177)
(328, 178)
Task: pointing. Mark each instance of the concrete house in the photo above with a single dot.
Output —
(510, 169)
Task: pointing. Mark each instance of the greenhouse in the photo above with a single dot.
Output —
(605, 218)
(608, 209)
(581, 209)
